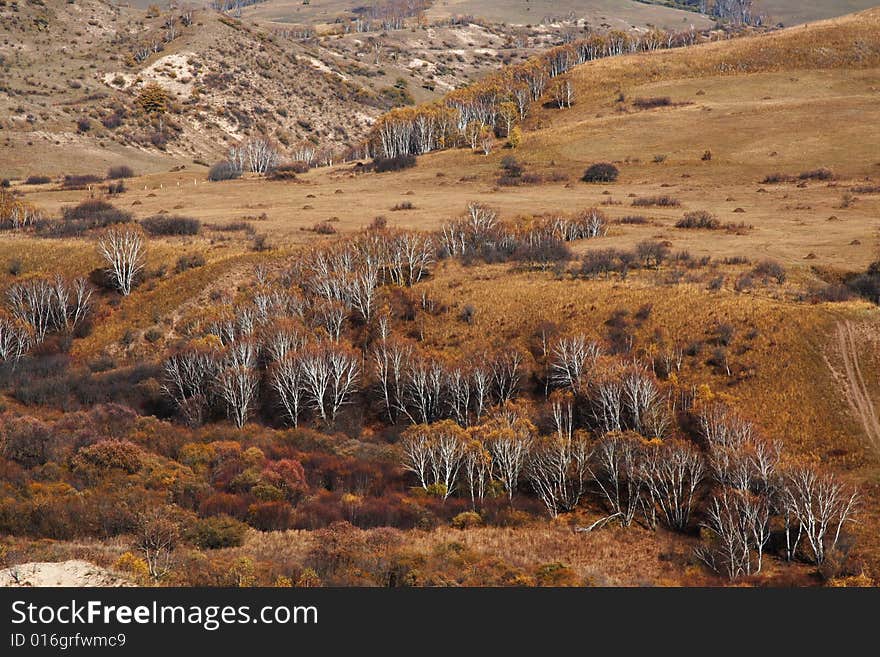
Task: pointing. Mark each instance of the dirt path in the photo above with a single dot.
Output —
(856, 390)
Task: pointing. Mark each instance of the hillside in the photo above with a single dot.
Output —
(730, 278)
(224, 81)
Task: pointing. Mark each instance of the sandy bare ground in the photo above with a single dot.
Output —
(857, 394)
(62, 573)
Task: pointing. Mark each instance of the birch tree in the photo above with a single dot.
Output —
(124, 251)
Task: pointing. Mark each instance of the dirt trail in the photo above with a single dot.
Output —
(856, 391)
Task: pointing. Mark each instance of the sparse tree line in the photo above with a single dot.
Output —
(726, 481)
(495, 104)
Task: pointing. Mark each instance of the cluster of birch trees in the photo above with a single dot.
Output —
(15, 213)
(479, 232)
(38, 307)
(730, 483)
(500, 100)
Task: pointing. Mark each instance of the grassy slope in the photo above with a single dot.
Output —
(785, 384)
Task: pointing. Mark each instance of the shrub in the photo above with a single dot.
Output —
(115, 188)
(512, 166)
(324, 228)
(153, 335)
(120, 171)
(398, 163)
(651, 103)
(602, 262)
(88, 215)
(223, 171)
(79, 181)
(636, 219)
(774, 178)
(467, 519)
(83, 124)
(37, 180)
(698, 219)
(108, 454)
(26, 440)
(270, 516)
(405, 205)
(217, 532)
(652, 252)
(167, 224)
(600, 172)
(113, 120)
(153, 99)
(515, 137)
(816, 174)
(190, 261)
(287, 171)
(835, 292)
(866, 286)
(770, 269)
(260, 242)
(743, 283)
(662, 201)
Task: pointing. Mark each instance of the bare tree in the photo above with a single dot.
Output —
(288, 382)
(15, 340)
(571, 359)
(563, 92)
(238, 380)
(506, 373)
(478, 470)
(47, 305)
(422, 399)
(124, 250)
(722, 428)
(646, 409)
(510, 444)
(187, 380)
(344, 371)
(457, 382)
(157, 536)
(558, 470)
(616, 470)
(331, 316)
(435, 454)
(481, 379)
(409, 257)
(329, 377)
(390, 357)
(820, 505)
(671, 473)
(738, 524)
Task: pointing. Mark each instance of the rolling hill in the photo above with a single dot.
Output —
(769, 140)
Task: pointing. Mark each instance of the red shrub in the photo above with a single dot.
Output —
(224, 503)
(270, 516)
